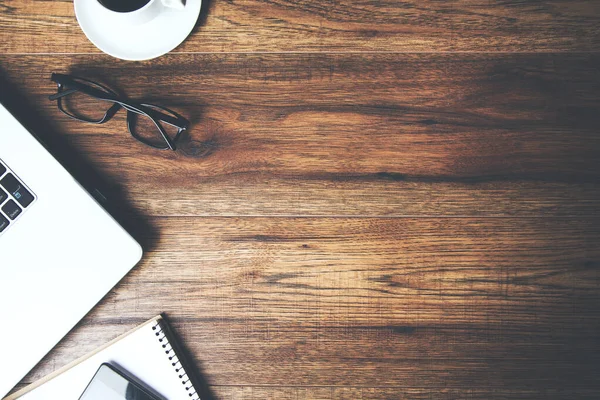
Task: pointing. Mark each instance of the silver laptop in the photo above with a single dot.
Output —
(60, 252)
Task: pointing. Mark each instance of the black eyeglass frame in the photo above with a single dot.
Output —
(69, 84)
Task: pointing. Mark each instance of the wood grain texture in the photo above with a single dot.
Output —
(376, 199)
(373, 135)
(335, 25)
(367, 393)
(502, 304)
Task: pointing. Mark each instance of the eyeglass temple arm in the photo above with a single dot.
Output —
(62, 94)
(180, 123)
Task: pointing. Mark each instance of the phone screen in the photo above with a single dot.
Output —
(110, 384)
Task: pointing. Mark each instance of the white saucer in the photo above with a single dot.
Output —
(137, 42)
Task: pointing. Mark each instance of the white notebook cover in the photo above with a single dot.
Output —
(138, 352)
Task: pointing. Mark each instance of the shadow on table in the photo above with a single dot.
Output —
(203, 15)
(191, 366)
(109, 195)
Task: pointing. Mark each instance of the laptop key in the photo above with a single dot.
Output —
(3, 196)
(11, 209)
(3, 223)
(2, 169)
(14, 187)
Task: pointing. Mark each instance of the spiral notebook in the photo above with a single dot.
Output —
(147, 352)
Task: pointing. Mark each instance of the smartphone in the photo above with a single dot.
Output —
(111, 384)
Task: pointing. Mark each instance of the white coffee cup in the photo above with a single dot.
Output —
(147, 12)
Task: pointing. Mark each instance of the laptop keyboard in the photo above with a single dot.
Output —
(14, 198)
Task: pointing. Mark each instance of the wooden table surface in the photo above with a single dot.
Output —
(376, 199)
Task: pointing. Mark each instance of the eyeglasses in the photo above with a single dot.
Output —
(86, 101)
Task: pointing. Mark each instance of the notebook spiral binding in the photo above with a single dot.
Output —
(175, 362)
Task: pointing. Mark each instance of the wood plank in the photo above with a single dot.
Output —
(377, 393)
(340, 26)
(368, 393)
(453, 303)
(369, 135)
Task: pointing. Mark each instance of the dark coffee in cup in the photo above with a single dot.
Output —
(124, 5)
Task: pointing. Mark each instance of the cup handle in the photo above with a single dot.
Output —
(176, 4)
